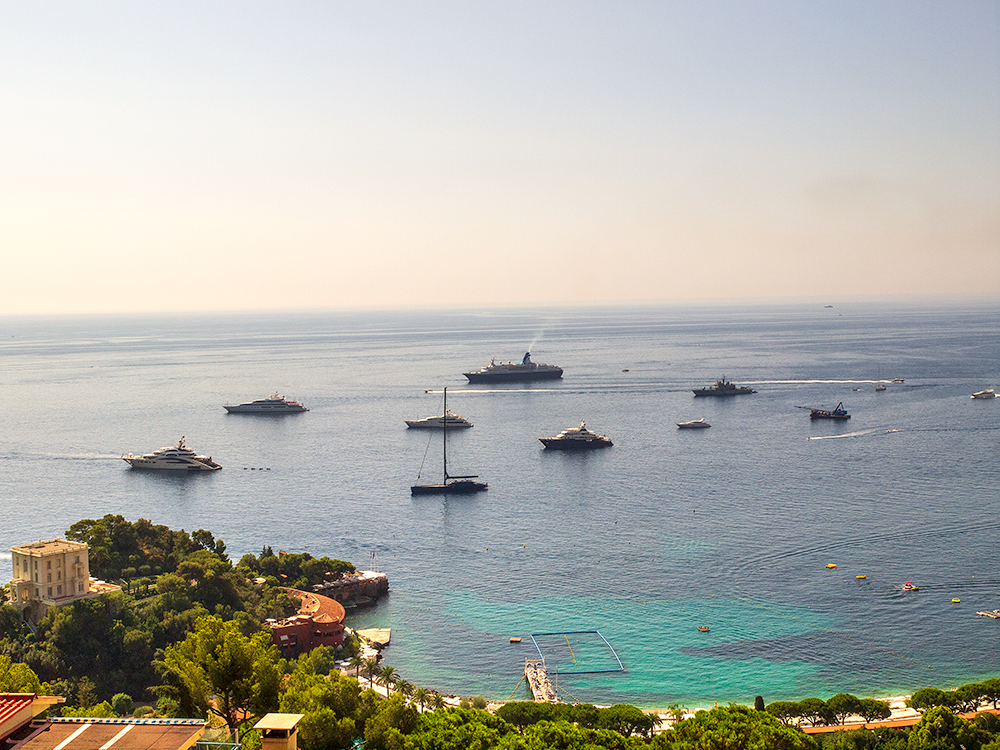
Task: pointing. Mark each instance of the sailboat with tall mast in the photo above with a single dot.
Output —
(450, 485)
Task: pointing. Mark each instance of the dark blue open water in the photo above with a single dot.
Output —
(730, 527)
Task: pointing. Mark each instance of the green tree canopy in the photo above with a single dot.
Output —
(928, 697)
(733, 728)
(216, 669)
(17, 678)
(843, 705)
(940, 729)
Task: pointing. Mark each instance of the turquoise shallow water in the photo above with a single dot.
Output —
(730, 527)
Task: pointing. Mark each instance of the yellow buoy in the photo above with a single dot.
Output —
(831, 565)
(861, 577)
(956, 601)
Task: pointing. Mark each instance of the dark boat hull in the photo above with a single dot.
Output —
(512, 377)
(451, 488)
(840, 417)
(574, 445)
(721, 394)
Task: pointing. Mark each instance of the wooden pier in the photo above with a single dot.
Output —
(995, 614)
(542, 689)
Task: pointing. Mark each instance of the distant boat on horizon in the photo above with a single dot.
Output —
(506, 372)
(838, 412)
(724, 387)
(273, 404)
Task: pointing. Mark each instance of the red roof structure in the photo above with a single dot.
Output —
(319, 622)
(18, 709)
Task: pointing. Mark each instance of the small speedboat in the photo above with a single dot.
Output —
(703, 628)
(694, 424)
(909, 587)
(988, 393)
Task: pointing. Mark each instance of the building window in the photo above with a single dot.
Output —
(50, 591)
(79, 587)
(59, 590)
(77, 559)
(58, 575)
(50, 578)
(48, 564)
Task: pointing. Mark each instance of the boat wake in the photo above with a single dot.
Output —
(59, 456)
(859, 433)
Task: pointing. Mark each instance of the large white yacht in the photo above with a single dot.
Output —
(988, 393)
(174, 458)
(576, 439)
(274, 404)
(438, 422)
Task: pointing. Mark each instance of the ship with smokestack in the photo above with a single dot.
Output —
(510, 372)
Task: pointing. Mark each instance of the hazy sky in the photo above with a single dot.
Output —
(230, 155)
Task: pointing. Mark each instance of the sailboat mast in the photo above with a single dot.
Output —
(444, 434)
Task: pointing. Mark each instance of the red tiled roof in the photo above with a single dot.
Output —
(12, 703)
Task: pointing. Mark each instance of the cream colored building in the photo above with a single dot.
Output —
(50, 574)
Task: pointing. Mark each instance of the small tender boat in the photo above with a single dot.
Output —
(909, 587)
(897, 380)
(988, 393)
(694, 424)
(861, 577)
(515, 639)
(831, 565)
(703, 628)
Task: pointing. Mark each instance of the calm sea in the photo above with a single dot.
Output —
(730, 528)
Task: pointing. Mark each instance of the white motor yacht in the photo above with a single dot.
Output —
(694, 424)
(274, 404)
(988, 393)
(174, 458)
(438, 422)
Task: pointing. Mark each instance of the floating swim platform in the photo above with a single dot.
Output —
(515, 639)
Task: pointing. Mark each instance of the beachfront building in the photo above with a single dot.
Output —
(52, 573)
(319, 622)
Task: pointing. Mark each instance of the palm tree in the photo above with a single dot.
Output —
(405, 687)
(388, 678)
(371, 668)
(355, 663)
(437, 701)
(420, 695)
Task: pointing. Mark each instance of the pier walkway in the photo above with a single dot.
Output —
(542, 689)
